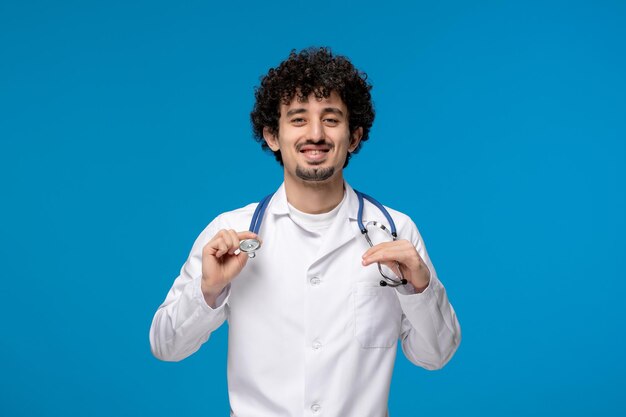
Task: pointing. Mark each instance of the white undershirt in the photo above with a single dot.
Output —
(315, 223)
(312, 232)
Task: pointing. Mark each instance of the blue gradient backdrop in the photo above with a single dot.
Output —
(500, 129)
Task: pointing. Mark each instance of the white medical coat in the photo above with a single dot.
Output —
(309, 339)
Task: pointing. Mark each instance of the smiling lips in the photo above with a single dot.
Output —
(315, 153)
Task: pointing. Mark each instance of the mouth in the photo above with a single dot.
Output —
(315, 153)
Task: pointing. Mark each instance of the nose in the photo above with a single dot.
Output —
(316, 130)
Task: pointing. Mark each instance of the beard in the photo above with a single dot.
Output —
(314, 174)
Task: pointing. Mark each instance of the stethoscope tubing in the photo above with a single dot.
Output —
(257, 218)
(361, 196)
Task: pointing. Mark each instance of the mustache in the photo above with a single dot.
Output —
(314, 142)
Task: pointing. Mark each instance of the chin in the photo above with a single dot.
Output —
(316, 173)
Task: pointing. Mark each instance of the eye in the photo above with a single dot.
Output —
(331, 121)
(298, 121)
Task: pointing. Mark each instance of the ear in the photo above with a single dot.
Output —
(355, 139)
(271, 139)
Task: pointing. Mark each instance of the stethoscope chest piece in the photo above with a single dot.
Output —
(250, 246)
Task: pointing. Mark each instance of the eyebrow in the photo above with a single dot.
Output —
(333, 110)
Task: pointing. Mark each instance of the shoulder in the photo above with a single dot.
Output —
(238, 220)
(405, 227)
(404, 224)
(235, 217)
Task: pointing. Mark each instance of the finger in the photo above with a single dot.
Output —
(227, 241)
(242, 257)
(221, 248)
(395, 245)
(378, 247)
(219, 236)
(247, 235)
(219, 245)
(235, 241)
(393, 266)
(226, 236)
(397, 254)
(392, 244)
(386, 248)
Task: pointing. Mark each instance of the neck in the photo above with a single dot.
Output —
(314, 197)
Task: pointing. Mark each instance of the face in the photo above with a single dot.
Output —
(314, 138)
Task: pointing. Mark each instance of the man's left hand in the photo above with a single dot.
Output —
(400, 253)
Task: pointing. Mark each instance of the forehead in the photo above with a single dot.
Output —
(311, 101)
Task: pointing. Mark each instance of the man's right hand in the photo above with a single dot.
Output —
(220, 265)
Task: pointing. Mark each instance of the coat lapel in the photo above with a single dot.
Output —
(343, 229)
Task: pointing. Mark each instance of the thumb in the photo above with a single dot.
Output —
(247, 235)
(242, 258)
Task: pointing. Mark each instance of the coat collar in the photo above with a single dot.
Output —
(279, 206)
(343, 229)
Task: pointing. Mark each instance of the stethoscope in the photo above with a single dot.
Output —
(250, 246)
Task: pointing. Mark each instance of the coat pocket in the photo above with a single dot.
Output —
(377, 315)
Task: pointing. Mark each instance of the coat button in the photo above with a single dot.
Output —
(315, 281)
(317, 345)
(316, 408)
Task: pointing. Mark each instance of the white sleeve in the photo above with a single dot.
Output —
(185, 321)
(430, 330)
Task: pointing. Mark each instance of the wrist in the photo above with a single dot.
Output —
(210, 292)
(420, 288)
(421, 284)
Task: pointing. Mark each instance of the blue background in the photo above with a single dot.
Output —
(124, 129)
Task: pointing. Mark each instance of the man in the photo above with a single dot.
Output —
(311, 330)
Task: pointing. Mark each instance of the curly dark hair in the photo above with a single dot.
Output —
(317, 71)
